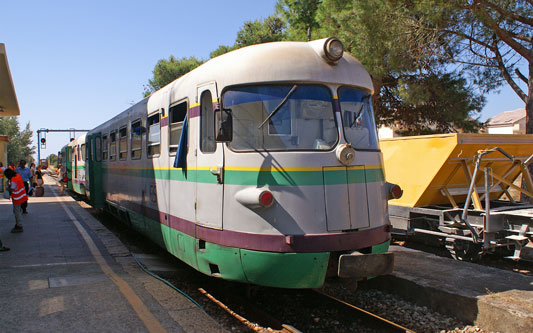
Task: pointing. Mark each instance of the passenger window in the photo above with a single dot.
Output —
(207, 129)
(113, 146)
(136, 140)
(123, 143)
(177, 114)
(104, 147)
(153, 141)
(98, 149)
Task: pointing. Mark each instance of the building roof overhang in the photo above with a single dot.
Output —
(9, 105)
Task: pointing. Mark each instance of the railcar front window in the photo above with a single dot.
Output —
(281, 117)
(358, 118)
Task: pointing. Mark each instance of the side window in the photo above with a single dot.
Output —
(153, 141)
(176, 115)
(113, 146)
(136, 140)
(207, 127)
(83, 153)
(123, 143)
(86, 151)
(97, 149)
(104, 147)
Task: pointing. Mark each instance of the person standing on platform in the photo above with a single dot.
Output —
(32, 172)
(2, 247)
(25, 173)
(18, 196)
(63, 178)
(2, 169)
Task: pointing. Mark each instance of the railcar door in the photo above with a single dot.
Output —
(209, 162)
(94, 169)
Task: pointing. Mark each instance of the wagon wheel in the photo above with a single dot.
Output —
(463, 250)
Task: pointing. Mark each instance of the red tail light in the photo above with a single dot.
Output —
(266, 199)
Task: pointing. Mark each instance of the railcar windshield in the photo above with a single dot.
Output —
(281, 117)
(358, 118)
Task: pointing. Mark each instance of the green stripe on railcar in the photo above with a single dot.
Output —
(282, 270)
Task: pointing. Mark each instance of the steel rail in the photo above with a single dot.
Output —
(381, 319)
(284, 328)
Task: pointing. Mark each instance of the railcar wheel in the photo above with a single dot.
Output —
(463, 250)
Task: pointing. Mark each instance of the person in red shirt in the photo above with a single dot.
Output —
(18, 196)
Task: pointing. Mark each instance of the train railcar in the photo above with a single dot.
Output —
(260, 166)
(66, 163)
(77, 165)
(461, 194)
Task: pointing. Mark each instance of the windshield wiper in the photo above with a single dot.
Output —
(357, 115)
(279, 106)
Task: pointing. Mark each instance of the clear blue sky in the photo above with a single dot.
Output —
(76, 64)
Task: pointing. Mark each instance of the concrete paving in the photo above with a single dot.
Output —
(494, 299)
(66, 272)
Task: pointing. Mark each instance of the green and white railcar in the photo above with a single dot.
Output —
(261, 166)
(78, 157)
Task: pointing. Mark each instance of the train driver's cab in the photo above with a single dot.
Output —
(294, 117)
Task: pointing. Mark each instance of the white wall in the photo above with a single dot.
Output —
(385, 132)
(500, 130)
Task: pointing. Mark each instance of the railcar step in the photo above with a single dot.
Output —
(517, 237)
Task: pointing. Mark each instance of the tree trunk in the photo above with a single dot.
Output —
(377, 82)
(529, 120)
(529, 102)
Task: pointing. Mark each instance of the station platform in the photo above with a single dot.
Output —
(66, 272)
(493, 299)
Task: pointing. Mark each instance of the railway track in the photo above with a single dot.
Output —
(384, 325)
(282, 310)
(249, 310)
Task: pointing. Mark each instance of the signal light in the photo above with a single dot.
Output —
(266, 199)
(394, 191)
(43, 140)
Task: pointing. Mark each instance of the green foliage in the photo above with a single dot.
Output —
(222, 49)
(425, 104)
(301, 17)
(20, 143)
(491, 41)
(270, 29)
(52, 159)
(166, 71)
(408, 65)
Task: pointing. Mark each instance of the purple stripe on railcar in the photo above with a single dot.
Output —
(271, 243)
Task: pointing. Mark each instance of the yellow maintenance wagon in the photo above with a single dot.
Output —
(459, 187)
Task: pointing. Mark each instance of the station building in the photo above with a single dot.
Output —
(8, 101)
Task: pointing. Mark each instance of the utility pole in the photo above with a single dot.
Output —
(40, 143)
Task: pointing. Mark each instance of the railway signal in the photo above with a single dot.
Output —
(42, 140)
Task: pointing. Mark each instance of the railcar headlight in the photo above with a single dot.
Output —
(333, 49)
(393, 191)
(345, 154)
